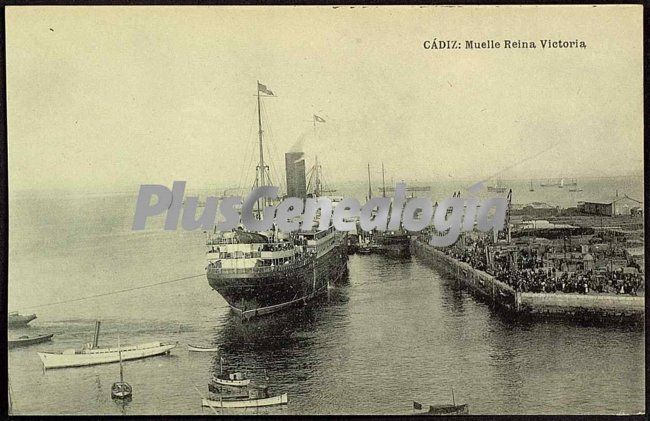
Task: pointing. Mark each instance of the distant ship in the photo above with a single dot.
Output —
(550, 184)
(262, 273)
(497, 188)
(575, 187)
(572, 183)
(391, 243)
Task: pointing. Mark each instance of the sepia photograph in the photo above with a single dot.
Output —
(325, 210)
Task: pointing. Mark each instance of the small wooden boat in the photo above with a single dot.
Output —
(235, 379)
(27, 340)
(258, 396)
(18, 320)
(448, 409)
(445, 410)
(121, 389)
(92, 355)
(227, 392)
(194, 348)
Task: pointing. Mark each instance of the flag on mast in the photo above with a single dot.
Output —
(318, 119)
(264, 89)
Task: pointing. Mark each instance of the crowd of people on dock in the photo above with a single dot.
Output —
(533, 276)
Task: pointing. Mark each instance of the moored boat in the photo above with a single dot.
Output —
(392, 243)
(364, 250)
(259, 273)
(18, 320)
(27, 340)
(258, 396)
(121, 389)
(84, 357)
(236, 379)
(443, 410)
(196, 348)
(233, 379)
(91, 354)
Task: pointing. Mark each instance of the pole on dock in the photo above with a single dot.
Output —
(453, 399)
(96, 338)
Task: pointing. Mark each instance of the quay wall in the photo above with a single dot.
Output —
(528, 304)
(478, 281)
(581, 305)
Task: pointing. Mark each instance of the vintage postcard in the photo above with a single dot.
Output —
(325, 210)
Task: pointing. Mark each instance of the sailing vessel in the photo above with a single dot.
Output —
(91, 354)
(18, 320)
(121, 389)
(531, 186)
(261, 273)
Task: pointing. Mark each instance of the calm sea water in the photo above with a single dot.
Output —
(395, 331)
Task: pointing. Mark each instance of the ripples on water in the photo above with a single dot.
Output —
(395, 331)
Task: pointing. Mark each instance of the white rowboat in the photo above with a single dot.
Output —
(84, 357)
(194, 348)
(247, 403)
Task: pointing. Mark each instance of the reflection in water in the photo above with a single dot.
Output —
(283, 345)
(122, 404)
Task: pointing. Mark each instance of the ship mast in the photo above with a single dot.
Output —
(119, 352)
(259, 123)
(261, 167)
(369, 186)
(383, 180)
(317, 186)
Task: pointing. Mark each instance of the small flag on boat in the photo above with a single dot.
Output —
(417, 405)
(264, 89)
(318, 119)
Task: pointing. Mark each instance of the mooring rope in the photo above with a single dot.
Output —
(114, 292)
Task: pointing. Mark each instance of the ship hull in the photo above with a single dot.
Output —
(393, 245)
(252, 294)
(103, 356)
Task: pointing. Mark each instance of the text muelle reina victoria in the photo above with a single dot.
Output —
(450, 217)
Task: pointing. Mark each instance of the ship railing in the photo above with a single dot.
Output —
(257, 269)
(265, 246)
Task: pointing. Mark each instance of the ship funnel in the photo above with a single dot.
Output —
(294, 163)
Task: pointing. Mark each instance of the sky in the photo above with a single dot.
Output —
(109, 98)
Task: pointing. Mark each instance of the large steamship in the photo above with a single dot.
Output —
(261, 273)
